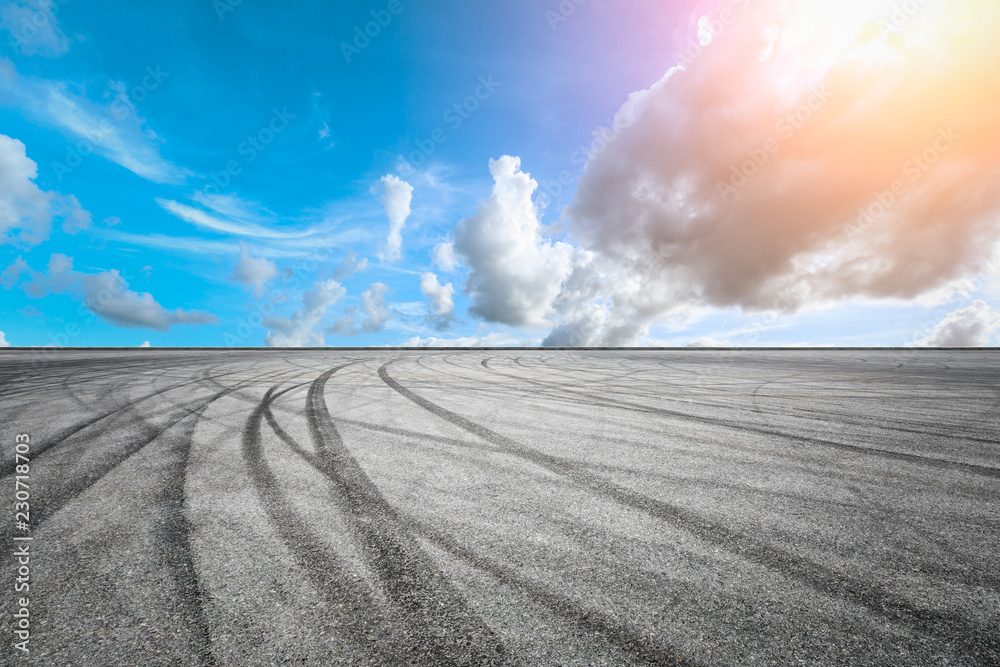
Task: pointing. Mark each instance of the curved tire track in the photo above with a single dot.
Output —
(448, 630)
(972, 468)
(821, 579)
(429, 623)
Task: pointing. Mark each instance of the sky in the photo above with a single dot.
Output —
(526, 173)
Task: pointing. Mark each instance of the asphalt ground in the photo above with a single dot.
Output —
(504, 507)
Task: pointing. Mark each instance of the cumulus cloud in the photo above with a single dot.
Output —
(373, 315)
(298, 330)
(968, 327)
(33, 27)
(804, 158)
(444, 256)
(27, 211)
(146, 344)
(489, 340)
(375, 308)
(397, 195)
(11, 276)
(253, 272)
(3, 340)
(350, 265)
(105, 294)
(440, 300)
(514, 272)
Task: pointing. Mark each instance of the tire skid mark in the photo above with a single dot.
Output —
(813, 415)
(643, 648)
(820, 578)
(563, 398)
(254, 399)
(66, 383)
(60, 438)
(851, 418)
(972, 468)
(57, 497)
(54, 374)
(348, 598)
(176, 531)
(446, 629)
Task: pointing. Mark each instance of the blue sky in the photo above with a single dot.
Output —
(257, 173)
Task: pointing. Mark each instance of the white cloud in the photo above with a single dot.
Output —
(397, 196)
(105, 294)
(298, 330)
(444, 256)
(26, 211)
(968, 327)
(234, 220)
(113, 130)
(146, 344)
(373, 316)
(12, 274)
(253, 272)
(440, 299)
(515, 273)
(375, 307)
(59, 263)
(705, 193)
(34, 30)
(489, 340)
(3, 340)
(708, 341)
(350, 265)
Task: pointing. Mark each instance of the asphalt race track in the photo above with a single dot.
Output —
(505, 507)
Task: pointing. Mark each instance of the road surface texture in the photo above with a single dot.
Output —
(505, 507)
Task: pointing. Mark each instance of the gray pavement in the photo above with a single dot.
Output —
(504, 507)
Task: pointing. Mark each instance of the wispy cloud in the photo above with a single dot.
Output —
(236, 223)
(113, 130)
(195, 245)
(34, 30)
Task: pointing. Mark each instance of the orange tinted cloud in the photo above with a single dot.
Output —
(811, 152)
